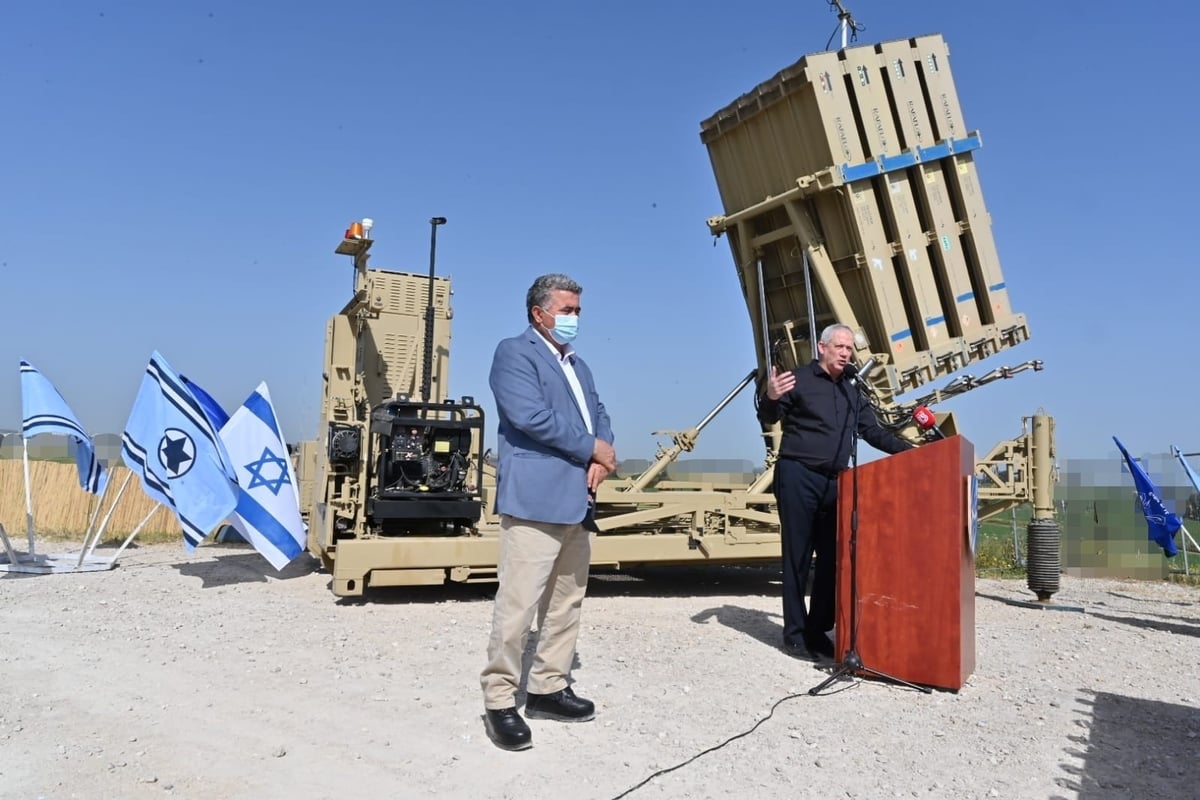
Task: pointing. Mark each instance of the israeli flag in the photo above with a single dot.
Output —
(43, 410)
(268, 507)
(172, 445)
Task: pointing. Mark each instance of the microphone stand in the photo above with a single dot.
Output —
(852, 662)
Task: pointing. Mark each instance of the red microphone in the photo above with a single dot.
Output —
(926, 421)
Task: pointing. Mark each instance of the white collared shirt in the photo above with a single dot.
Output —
(566, 361)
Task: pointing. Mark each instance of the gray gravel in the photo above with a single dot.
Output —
(212, 676)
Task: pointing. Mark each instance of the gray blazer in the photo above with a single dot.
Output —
(544, 444)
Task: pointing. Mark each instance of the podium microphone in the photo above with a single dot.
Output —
(926, 421)
(858, 375)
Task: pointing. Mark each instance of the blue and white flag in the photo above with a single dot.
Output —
(268, 508)
(43, 410)
(212, 409)
(172, 445)
(214, 412)
(1161, 523)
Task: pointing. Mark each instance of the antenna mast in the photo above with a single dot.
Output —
(847, 25)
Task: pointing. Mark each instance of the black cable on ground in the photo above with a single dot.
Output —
(715, 747)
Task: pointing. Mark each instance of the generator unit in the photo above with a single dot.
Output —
(423, 467)
(396, 456)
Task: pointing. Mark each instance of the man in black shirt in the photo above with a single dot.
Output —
(816, 404)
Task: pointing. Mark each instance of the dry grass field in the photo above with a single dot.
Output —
(61, 510)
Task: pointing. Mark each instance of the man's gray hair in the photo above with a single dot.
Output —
(545, 285)
(830, 330)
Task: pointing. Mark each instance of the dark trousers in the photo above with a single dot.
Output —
(807, 503)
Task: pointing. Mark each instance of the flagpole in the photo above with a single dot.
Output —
(87, 550)
(1187, 537)
(135, 532)
(95, 513)
(1187, 468)
(28, 495)
(8, 548)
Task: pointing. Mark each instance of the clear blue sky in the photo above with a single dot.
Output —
(177, 175)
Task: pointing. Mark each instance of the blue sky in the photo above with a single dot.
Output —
(177, 176)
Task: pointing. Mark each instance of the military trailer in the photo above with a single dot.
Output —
(850, 194)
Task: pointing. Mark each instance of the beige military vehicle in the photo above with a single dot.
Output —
(850, 194)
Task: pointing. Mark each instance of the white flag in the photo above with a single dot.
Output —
(268, 509)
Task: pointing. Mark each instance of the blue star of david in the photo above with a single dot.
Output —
(255, 468)
(176, 452)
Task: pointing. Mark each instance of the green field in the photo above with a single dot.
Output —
(995, 549)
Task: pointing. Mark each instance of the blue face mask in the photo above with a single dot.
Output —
(566, 328)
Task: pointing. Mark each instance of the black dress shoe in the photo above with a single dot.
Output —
(506, 729)
(562, 705)
(797, 650)
(819, 646)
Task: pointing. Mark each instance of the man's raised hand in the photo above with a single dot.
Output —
(780, 384)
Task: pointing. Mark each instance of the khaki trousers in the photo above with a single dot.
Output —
(542, 568)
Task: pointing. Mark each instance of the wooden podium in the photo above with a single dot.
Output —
(916, 565)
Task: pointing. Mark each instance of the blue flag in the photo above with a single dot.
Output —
(213, 412)
(212, 409)
(172, 445)
(268, 509)
(43, 410)
(1162, 524)
(1186, 467)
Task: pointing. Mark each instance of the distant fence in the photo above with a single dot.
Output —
(61, 507)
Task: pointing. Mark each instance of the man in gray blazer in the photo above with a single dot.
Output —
(555, 449)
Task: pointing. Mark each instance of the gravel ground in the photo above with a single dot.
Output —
(212, 676)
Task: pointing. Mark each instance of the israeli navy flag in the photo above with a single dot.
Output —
(268, 508)
(217, 417)
(212, 409)
(171, 444)
(43, 410)
(1161, 524)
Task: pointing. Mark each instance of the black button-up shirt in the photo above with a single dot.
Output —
(818, 417)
